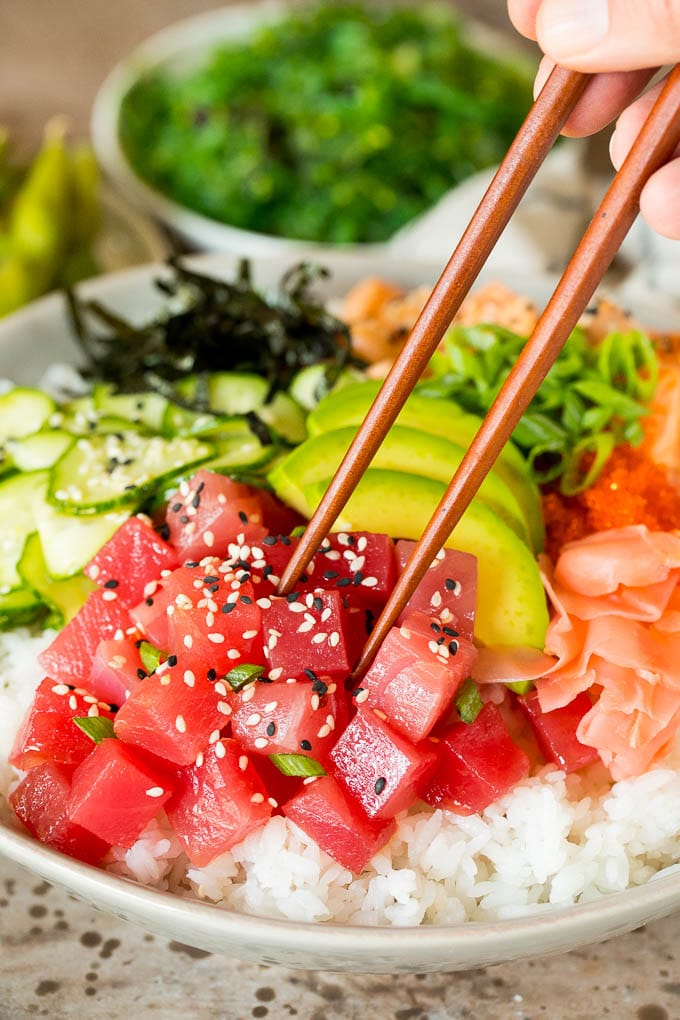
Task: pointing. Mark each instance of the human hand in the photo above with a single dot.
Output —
(624, 42)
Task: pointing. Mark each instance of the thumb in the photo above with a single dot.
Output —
(609, 35)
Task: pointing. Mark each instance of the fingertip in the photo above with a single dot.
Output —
(545, 69)
(659, 201)
(522, 14)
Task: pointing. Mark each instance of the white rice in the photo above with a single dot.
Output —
(554, 840)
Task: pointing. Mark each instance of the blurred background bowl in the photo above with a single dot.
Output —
(186, 46)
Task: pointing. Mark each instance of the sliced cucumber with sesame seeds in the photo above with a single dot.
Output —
(62, 598)
(147, 409)
(18, 497)
(18, 607)
(103, 472)
(69, 541)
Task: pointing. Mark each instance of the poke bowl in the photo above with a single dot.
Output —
(471, 871)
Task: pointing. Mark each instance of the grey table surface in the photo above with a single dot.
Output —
(60, 958)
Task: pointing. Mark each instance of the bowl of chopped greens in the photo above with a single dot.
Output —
(268, 127)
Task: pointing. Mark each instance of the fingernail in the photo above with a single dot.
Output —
(573, 27)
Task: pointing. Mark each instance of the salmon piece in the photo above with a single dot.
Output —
(498, 304)
(366, 299)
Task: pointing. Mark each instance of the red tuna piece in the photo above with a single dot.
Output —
(311, 631)
(448, 589)
(116, 792)
(130, 559)
(48, 732)
(174, 714)
(416, 674)
(210, 511)
(555, 731)
(283, 718)
(69, 658)
(217, 802)
(477, 763)
(360, 564)
(329, 816)
(41, 800)
(116, 670)
(379, 767)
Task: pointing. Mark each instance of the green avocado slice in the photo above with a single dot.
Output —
(404, 449)
(511, 603)
(438, 417)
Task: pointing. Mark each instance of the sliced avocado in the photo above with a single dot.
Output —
(403, 449)
(437, 417)
(511, 603)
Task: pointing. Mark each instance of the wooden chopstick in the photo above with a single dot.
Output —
(537, 134)
(654, 146)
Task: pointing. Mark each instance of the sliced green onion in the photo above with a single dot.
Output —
(574, 479)
(240, 676)
(151, 656)
(96, 727)
(468, 701)
(297, 765)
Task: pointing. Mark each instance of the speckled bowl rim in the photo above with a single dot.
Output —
(323, 946)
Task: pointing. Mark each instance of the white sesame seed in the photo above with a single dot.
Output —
(217, 639)
(224, 707)
(324, 731)
(165, 680)
(61, 689)
(109, 596)
(155, 791)
(220, 688)
(264, 603)
(243, 763)
(334, 639)
(94, 571)
(248, 635)
(274, 674)
(319, 638)
(210, 619)
(326, 613)
(220, 749)
(73, 702)
(93, 711)
(309, 780)
(260, 743)
(189, 678)
(233, 653)
(214, 737)
(369, 582)
(254, 719)
(257, 798)
(248, 694)
(361, 696)
(436, 599)
(315, 702)
(180, 724)
(272, 802)
(199, 759)
(271, 706)
(209, 538)
(188, 641)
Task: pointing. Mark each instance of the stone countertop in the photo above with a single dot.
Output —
(61, 959)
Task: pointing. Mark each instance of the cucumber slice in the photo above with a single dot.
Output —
(64, 598)
(236, 392)
(19, 607)
(69, 541)
(285, 417)
(19, 495)
(103, 472)
(310, 384)
(180, 421)
(145, 409)
(41, 450)
(23, 411)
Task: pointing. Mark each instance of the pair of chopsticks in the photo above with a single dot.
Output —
(654, 146)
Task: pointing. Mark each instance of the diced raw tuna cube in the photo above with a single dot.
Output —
(174, 713)
(130, 559)
(209, 512)
(379, 767)
(69, 658)
(448, 589)
(311, 631)
(556, 731)
(48, 732)
(217, 802)
(41, 800)
(330, 816)
(415, 675)
(284, 718)
(477, 763)
(116, 792)
(116, 670)
(360, 564)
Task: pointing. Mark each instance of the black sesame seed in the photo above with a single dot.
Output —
(310, 674)
(196, 501)
(351, 540)
(142, 674)
(435, 627)
(450, 584)
(292, 596)
(320, 687)
(450, 632)
(246, 599)
(191, 564)
(210, 579)
(344, 582)
(184, 519)
(164, 532)
(267, 570)
(330, 575)
(214, 588)
(111, 584)
(243, 564)
(357, 691)
(149, 601)
(271, 729)
(212, 675)
(269, 540)
(244, 578)
(358, 578)
(380, 785)
(453, 647)
(172, 660)
(200, 487)
(441, 640)
(243, 516)
(317, 603)
(228, 607)
(284, 539)
(305, 745)
(139, 642)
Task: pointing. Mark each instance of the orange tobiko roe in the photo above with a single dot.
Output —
(631, 489)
